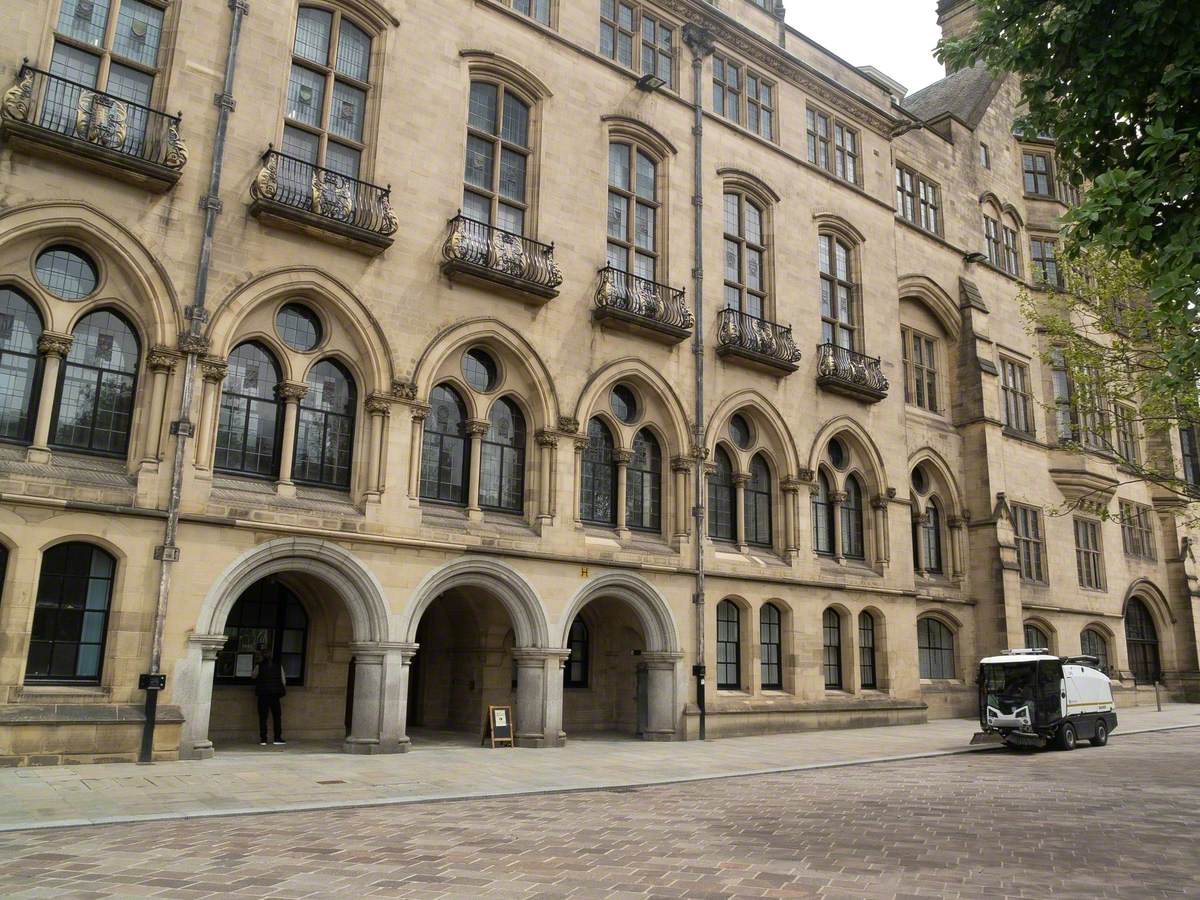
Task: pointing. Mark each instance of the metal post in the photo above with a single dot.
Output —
(192, 342)
(700, 41)
(1157, 698)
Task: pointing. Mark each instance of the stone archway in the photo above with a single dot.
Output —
(378, 662)
(658, 658)
(471, 585)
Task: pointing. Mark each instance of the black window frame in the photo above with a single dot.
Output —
(868, 675)
(26, 400)
(272, 592)
(831, 649)
(310, 415)
(822, 511)
(55, 564)
(1142, 642)
(935, 649)
(443, 442)
(576, 668)
(756, 500)
(854, 545)
(770, 638)
(246, 403)
(598, 474)
(507, 477)
(643, 479)
(722, 498)
(1030, 542)
(729, 622)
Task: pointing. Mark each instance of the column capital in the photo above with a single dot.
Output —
(878, 502)
(792, 485)
(213, 368)
(51, 343)
(210, 644)
(805, 475)
(162, 359)
(378, 404)
(622, 457)
(681, 464)
(921, 518)
(546, 438)
(477, 427)
(956, 522)
(581, 442)
(291, 390)
(838, 497)
(536, 656)
(661, 659)
(419, 412)
(741, 477)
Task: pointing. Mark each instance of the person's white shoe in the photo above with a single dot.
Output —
(280, 743)
(262, 743)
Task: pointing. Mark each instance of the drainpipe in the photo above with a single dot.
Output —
(700, 41)
(193, 343)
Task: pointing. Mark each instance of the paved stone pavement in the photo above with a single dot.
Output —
(296, 778)
(1112, 822)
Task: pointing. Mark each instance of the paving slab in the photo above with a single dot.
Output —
(317, 776)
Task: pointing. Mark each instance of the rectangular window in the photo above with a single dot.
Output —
(1036, 168)
(985, 156)
(727, 89)
(845, 157)
(1031, 545)
(760, 106)
(1064, 406)
(1137, 532)
(931, 206)
(819, 139)
(538, 10)
(906, 194)
(1018, 401)
(1045, 266)
(1092, 411)
(1189, 446)
(991, 234)
(1089, 563)
(1067, 192)
(1012, 255)
(920, 369)
(637, 40)
(918, 200)
(1125, 421)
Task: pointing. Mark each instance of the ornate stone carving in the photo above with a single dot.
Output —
(266, 182)
(879, 502)
(378, 404)
(19, 98)
(161, 359)
(53, 344)
(289, 391)
(546, 439)
(332, 195)
(568, 425)
(838, 497)
(477, 426)
(891, 493)
(622, 457)
(418, 413)
(176, 154)
(404, 390)
(190, 342)
(681, 464)
(699, 452)
(805, 474)
(101, 119)
(388, 223)
(791, 485)
(213, 368)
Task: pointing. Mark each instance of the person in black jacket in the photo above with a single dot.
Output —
(270, 684)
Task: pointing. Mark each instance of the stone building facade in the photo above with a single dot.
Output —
(368, 332)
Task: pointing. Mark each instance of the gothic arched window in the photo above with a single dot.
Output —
(325, 427)
(444, 450)
(598, 485)
(502, 463)
(249, 420)
(95, 390)
(722, 499)
(643, 484)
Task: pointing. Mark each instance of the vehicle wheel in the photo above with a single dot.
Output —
(1101, 736)
(1065, 739)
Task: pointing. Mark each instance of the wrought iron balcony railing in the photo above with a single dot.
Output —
(322, 198)
(489, 254)
(846, 372)
(758, 341)
(50, 109)
(628, 299)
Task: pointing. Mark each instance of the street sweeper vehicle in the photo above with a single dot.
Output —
(1029, 698)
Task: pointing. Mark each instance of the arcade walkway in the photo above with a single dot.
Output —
(304, 777)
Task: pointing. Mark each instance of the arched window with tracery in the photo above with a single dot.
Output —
(502, 462)
(770, 647)
(70, 617)
(722, 498)
(499, 152)
(445, 452)
(1093, 643)
(20, 328)
(1035, 638)
(831, 629)
(1141, 639)
(931, 535)
(839, 293)
(325, 427)
(853, 546)
(249, 419)
(598, 484)
(94, 409)
(757, 500)
(643, 484)
(822, 516)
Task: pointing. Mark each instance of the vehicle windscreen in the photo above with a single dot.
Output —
(1007, 687)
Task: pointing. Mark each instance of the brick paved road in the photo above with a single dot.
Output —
(1113, 822)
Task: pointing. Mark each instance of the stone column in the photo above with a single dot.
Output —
(837, 498)
(212, 370)
(378, 407)
(291, 393)
(366, 725)
(955, 524)
(622, 458)
(416, 441)
(662, 705)
(54, 349)
(739, 512)
(919, 563)
(547, 442)
(161, 363)
(192, 692)
(539, 697)
(680, 469)
(581, 442)
(791, 498)
(879, 506)
(395, 707)
(476, 429)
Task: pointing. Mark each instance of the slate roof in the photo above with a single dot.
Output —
(964, 95)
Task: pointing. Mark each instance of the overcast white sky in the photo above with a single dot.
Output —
(894, 36)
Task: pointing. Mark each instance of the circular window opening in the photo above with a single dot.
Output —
(919, 482)
(480, 370)
(624, 404)
(298, 327)
(66, 273)
(739, 430)
(837, 454)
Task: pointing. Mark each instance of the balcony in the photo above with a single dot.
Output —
(757, 342)
(493, 258)
(44, 114)
(295, 195)
(629, 303)
(851, 374)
